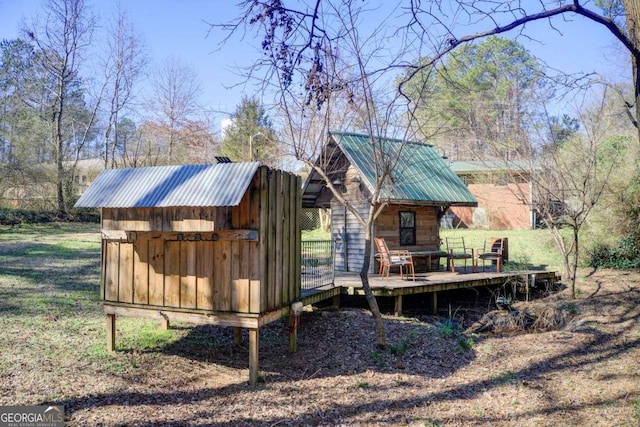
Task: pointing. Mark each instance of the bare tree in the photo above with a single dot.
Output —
(62, 37)
(572, 179)
(123, 65)
(322, 67)
(435, 24)
(174, 101)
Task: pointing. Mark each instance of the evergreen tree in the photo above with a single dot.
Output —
(251, 136)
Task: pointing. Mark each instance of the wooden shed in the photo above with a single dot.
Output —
(420, 188)
(206, 244)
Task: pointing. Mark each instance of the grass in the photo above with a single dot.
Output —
(527, 248)
(317, 234)
(535, 248)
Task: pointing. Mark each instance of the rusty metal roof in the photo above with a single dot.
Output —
(166, 186)
(418, 174)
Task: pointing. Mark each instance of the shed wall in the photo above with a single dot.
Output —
(427, 227)
(229, 259)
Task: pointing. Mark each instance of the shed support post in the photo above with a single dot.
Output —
(336, 300)
(398, 306)
(293, 333)
(111, 332)
(237, 336)
(434, 306)
(253, 356)
(164, 321)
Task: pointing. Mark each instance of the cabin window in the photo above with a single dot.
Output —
(407, 228)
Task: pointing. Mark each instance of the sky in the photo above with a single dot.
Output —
(178, 28)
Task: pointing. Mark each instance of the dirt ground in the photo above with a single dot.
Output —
(585, 373)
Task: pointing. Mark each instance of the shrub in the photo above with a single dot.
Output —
(623, 256)
(26, 216)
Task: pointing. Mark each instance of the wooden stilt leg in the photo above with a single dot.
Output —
(164, 322)
(293, 333)
(398, 306)
(237, 336)
(435, 302)
(253, 356)
(336, 300)
(111, 332)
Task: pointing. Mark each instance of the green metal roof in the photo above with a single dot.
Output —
(419, 174)
(486, 166)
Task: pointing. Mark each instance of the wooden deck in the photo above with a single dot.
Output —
(432, 283)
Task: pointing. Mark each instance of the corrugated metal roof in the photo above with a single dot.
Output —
(164, 186)
(418, 173)
(474, 166)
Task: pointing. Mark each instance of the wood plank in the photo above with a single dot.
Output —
(222, 273)
(112, 262)
(279, 255)
(253, 257)
(156, 219)
(114, 234)
(293, 333)
(111, 332)
(243, 282)
(125, 277)
(172, 274)
(207, 219)
(235, 276)
(288, 257)
(296, 245)
(263, 257)
(204, 281)
(103, 268)
(227, 235)
(106, 218)
(156, 272)
(141, 272)
(188, 274)
(253, 355)
(189, 316)
(271, 249)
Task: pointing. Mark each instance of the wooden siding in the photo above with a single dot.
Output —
(224, 259)
(345, 224)
(427, 227)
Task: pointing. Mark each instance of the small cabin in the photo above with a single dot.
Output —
(418, 191)
(205, 244)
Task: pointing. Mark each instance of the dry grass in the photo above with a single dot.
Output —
(584, 373)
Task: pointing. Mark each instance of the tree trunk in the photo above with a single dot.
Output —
(381, 338)
(60, 146)
(632, 15)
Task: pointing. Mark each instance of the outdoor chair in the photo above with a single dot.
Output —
(457, 250)
(493, 252)
(395, 258)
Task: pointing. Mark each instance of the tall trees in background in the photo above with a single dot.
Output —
(480, 101)
(61, 38)
(123, 66)
(251, 136)
(68, 91)
(175, 90)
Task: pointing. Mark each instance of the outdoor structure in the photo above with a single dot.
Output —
(504, 194)
(206, 244)
(419, 190)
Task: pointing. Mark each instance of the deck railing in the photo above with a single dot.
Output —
(317, 263)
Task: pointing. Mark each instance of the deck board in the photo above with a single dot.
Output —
(350, 284)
